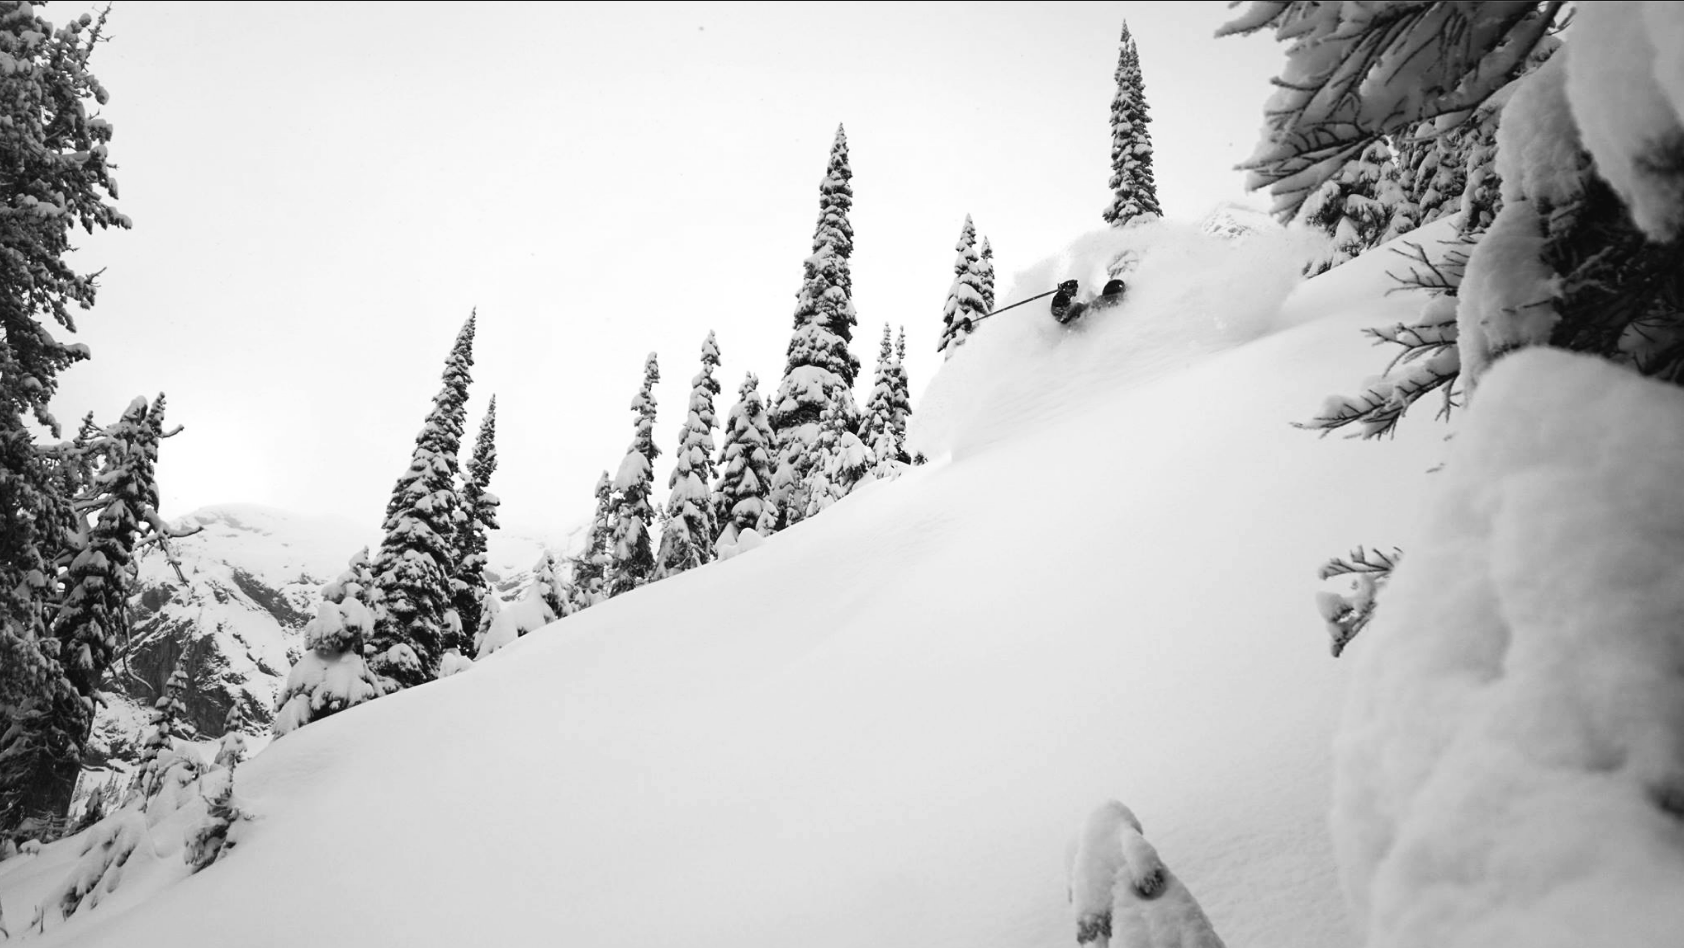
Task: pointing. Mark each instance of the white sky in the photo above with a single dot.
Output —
(322, 192)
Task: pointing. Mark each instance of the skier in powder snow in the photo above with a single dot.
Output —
(1122, 890)
(1067, 309)
(1063, 301)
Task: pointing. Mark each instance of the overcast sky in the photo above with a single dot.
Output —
(321, 194)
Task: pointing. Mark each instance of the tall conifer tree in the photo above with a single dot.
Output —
(632, 559)
(479, 507)
(92, 621)
(985, 269)
(820, 371)
(687, 540)
(1134, 191)
(56, 153)
(590, 567)
(417, 559)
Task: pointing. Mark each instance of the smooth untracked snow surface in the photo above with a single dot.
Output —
(885, 725)
(1511, 766)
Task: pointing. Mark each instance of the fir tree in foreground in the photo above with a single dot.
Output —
(820, 372)
(590, 567)
(631, 557)
(687, 540)
(1361, 207)
(44, 736)
(1134, 191)
(332, 675)
(745, 468)
(469, 590)
(965, 300)
(417, 560)
(56, 156)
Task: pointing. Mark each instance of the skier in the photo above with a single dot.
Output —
(1066, 309)
(1063, 302)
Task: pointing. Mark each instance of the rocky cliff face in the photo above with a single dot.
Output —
(253, 580)
(253, 577)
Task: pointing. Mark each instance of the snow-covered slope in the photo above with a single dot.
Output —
(884, 726)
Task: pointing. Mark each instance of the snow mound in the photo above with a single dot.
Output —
(1190, 294)
(1511, 766)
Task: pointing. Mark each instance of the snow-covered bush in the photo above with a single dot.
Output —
(1347, 614)
(545, 600)
(213, 836)
(1120, 889)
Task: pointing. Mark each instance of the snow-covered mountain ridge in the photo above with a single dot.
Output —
(253, 579)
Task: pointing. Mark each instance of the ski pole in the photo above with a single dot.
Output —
(1015, 305)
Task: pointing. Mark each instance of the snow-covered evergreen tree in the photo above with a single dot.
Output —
(1356, 75)
(985, 270)
(844, 461)
(418, 557)
(231, 749)
(57, 178)
(820, 371)
(631, 556)
(965, 300)
(92, 621)
(163, 770)
(550, 589)
(884, 428)
(687, 539)
(1134, 190)
(745, 467)
(590, 567)
(469, 589)
(1359, 207)
(213, 837)
(903, 387)
(332, 674)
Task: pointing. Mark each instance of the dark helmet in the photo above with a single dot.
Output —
(1112, 288)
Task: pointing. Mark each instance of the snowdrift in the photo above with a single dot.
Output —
(1511, 764)
(883, 726)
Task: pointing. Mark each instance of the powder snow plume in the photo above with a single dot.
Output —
(1189, 294)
